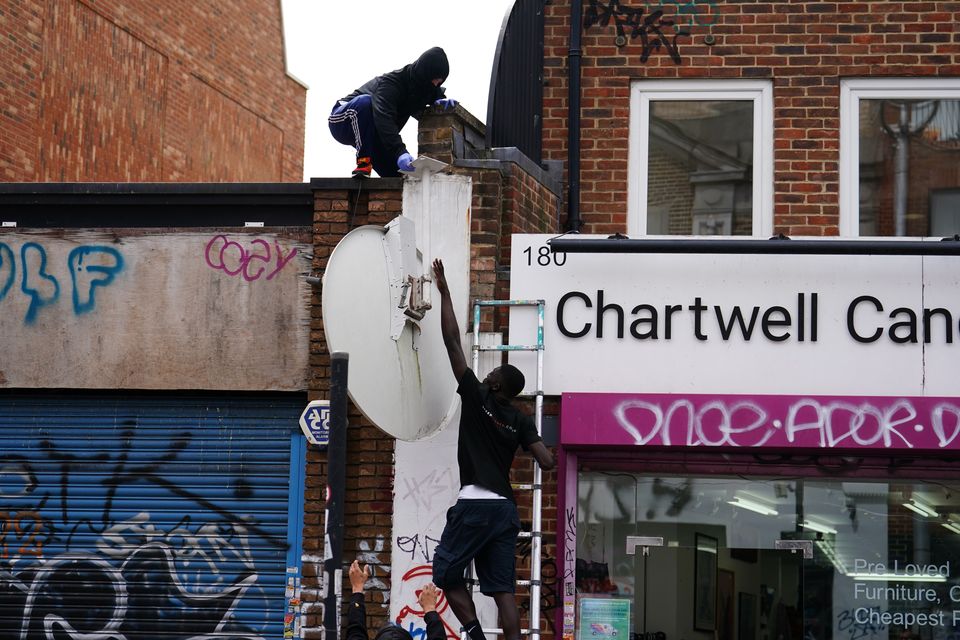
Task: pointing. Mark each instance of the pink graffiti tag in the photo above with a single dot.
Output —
(234, 259)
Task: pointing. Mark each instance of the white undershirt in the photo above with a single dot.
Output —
(476, 492)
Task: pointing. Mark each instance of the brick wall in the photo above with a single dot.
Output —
(128, 91)
(368, 503)
(804, 47)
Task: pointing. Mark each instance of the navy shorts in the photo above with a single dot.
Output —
(484, 531)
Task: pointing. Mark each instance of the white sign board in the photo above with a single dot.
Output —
(765, 324)
(315, 422)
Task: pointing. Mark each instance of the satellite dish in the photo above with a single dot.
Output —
(376, 307)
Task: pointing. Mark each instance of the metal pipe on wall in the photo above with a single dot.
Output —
(573, 118)
(336, 479)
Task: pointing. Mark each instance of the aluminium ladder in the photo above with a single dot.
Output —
(535, 533)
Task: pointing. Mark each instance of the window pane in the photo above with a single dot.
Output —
(909, 167)
(700, 176)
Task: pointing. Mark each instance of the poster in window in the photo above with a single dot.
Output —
(705, 583)
(604, 618)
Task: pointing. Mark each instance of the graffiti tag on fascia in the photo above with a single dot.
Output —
(258, 260)
(89, 266)
(776, 421)
(745, 423)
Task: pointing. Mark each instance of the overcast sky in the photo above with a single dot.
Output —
(334, 47)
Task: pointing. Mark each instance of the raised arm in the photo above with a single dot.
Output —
(448, 323)
(357, 612)
(428, 603)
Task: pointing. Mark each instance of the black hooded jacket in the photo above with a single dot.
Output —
(406, 92)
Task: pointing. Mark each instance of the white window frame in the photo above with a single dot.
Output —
(852, 90)
(760, 92)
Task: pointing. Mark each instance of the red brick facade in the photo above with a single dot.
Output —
(140, 91)
(804, 48)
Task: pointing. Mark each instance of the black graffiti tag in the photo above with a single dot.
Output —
(649, 28)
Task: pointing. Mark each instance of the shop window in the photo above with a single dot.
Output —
(899, 157)
(750, 558)
(701, 158)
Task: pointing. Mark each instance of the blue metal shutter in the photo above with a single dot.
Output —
(149, 517)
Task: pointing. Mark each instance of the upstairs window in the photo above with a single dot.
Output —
(701, 158)
(900, 157)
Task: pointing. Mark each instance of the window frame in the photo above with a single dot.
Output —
(760, 92)
(852, 90)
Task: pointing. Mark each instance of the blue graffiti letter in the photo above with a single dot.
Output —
(29, 284)
(7, 262)
(100, 265)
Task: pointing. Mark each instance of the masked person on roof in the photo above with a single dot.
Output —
(370, 118)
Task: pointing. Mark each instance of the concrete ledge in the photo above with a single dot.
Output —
(495, 159)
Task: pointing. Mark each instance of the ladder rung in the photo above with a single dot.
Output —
(507, 303)
(507, 347)
(530, 534)
(525, 486)
(498, 630)
(530, 394)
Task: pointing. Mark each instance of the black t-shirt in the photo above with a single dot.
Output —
(489, 435)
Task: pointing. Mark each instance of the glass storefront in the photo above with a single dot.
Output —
(662, 557)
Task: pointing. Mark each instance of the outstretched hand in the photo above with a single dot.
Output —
(440, 278)
(428, 597)
(358, 576)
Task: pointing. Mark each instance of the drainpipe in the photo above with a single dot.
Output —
(901, 164)
(336, 480)
(573, 117)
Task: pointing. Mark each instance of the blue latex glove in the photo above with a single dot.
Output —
(405, 162)
(446, 103)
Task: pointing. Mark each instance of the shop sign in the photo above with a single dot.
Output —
(770, 324)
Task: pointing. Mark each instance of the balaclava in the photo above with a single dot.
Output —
(431, 64)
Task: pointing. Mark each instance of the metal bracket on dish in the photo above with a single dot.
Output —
(406, 291)
(418, 302)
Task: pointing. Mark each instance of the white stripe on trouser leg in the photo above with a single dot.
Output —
(352, 115)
